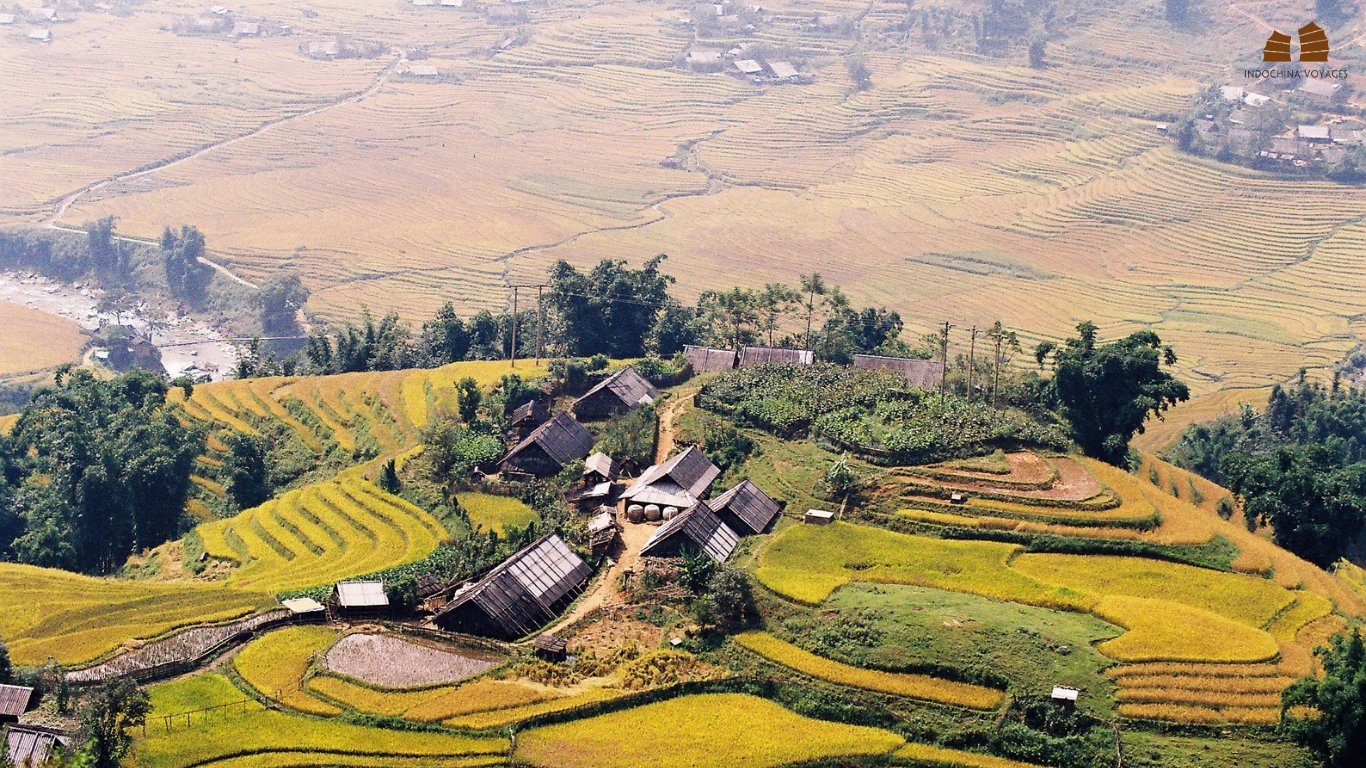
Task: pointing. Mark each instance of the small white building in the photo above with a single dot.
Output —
(423, 70)
(782, 70)
(749, 66)
(818, 517)
(40, 35)
(6, 19)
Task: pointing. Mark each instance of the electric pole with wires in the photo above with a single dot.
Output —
(944, 364)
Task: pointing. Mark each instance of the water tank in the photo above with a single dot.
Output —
(635, 513)
(652, 512)
(669, 512)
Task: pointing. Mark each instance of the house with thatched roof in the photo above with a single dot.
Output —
(679, 482)
(923, 374)
(549, 448)
(760, 355)
(519, 595)
(746, 508)
(618, 393)
(697, 528)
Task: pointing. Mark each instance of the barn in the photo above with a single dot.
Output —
(520, 594)
(679, 482)
(697, 527)
(923, 374)
(549, 448)
(620, 392)
(13, 702)
(709, 359)
(745, 508)
(759, 355)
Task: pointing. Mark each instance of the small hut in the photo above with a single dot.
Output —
(679, 482)
(1064, 696)
(818, 517)
(760, 355)
(305, 609)
(549, 448)
(709, 359)
(30, 745)
(697, 527)
(602, 531)
(622, 391)
(520, 594)
(14, 701)
(922, 374)
(745, 508)
(527, 417)
(600, 468)
(551, 647)
(360, 599)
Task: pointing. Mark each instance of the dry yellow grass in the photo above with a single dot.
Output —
(1197, 714)
(7, 423)
(31, 340)
(912, 686)
(369, 700)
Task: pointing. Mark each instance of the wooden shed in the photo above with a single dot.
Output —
(14, 701)
(527, 417)
(30, 745)
(697, 527)
(618, 393)
(760, 355)
(709, 359)
(551, 647)
(520, 594)
(549, 448)
(679, 482)
(923, 374)
(355, 599)
(745, 508)
(600, 468)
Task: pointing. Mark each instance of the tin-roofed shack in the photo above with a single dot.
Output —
(14, 701)
(30, 745)
(759, 355)
(923, 374)
(699, 528)
(360, 598)
(620, 392)
(709, 359)
(600, 468)
(549, 448)
(678, 482)
(520, 594)
(746, 508)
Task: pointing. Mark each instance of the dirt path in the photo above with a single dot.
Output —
(1240, 9)
(633, 538)
(667, 414)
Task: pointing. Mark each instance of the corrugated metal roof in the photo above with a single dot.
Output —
(707, 359)
(33, 746)
(628, 385)
(602, 464)
(749, 503)
(362, 594)
(690, 472)
(519, 593)
(700, 526)
(757, 355)
(782, 69)
(562, 438)
(303, 605)
(14, 700)
(923, 374)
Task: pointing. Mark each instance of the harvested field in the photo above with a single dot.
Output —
(183, 646)
(32, 341)
(391, 662)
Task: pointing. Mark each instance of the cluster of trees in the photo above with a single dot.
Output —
(1298, 466)
(1336, 730)
(93, 471)
(610, 310)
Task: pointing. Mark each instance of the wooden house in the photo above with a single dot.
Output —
(602, 531)
(30, 745)
(679, 482)
(600, 468)
(14, 701)
(698, 528)
(360, 599)
(527, 417)
(618, 393)
(759, 355)
(520, 594)
(709, 359)
(1321, 91)
(923, 374)
(745, 508)
(549, 448)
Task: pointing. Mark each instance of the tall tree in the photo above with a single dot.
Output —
(812, 285)
(187, 277)
(1336, 731)
(281, 301)
(444, 338)
(1005, 345)
(1315, 506)
(734, 315)
(1107, 391)
(611, 309)
(775, 301)
(114, 711)
(244, 468)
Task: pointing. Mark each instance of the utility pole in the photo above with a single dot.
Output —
(972, 362)
(996, 374)
(944, 364)
(514, 326)
(540, 323)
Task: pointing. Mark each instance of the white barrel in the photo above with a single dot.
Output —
(652, 512)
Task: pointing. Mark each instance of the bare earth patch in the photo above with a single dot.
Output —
(390, 662)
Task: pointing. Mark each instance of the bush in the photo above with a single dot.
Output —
(1225, 507)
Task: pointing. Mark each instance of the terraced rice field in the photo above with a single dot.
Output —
(320, 534)
(275, 665)
(49, 614)
(31, 340)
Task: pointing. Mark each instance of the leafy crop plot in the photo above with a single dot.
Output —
(47, 613)
(694, 731)
(912, 686)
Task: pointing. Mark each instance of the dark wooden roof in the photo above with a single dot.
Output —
(748, 503)
(757, 355)
(14, 700)
(706, 359)
(699, 525)
(532, 411)
(428, 585)
(923, 374)
(519, 593)
(627, 385)
(690, 471)
(30, 745)
(602, 464)
(562, 438)
(551, 643)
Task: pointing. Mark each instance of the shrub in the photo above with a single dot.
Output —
(1225, 507)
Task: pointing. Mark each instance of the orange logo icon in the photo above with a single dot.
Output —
(1313, 45)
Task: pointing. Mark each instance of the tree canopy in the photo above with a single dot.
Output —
(1107, 391)
(1336, 730)
(611, 309)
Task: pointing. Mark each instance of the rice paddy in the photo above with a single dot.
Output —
(276, 664)
(496, 513)
(32, 341)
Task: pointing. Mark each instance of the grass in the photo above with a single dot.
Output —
(1166, 631)
(33, 340)
(807, 562)
(923, 754)
(730, 730)
(496, 513)
(234, 734)
(276, 664)
(47, 613)
(1147, 749)
(921, 687)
